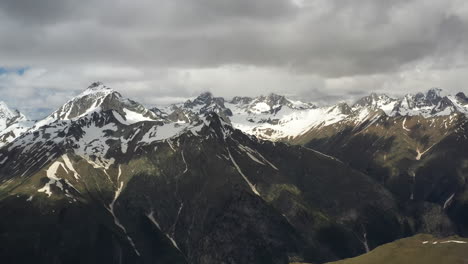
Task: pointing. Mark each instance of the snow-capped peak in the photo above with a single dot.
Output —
(97, 88)
(341, 108)
(270, 117)
(461, 96)
(431, 103)
(435, 93)
(241, 100)
(12, 124)
(8, 116)
(204, 101)
(87, 101)
(201, 105)
(6, 112)
(271, 104)
(96, 98)
(203, 98)
(374, 99)
(431, 97)
(377, 102)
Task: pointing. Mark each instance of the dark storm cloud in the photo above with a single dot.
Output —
(345, 38)
(41, 11)
(140, 12)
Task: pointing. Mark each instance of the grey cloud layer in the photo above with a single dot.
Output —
(326, 49)
(332, 38)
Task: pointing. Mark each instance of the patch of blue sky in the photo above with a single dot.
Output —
(13, 70)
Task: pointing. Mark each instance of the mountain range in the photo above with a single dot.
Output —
(104, 179)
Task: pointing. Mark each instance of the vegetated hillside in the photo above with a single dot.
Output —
(420, 249)
(422, 161)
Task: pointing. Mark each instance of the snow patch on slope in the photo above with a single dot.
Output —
(53, 179)
(110, 208)
(285, 123)
(134, 117)
(252, 187)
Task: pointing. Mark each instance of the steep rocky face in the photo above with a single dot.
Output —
(341, 108)
(180, 115)
(377, 102)
(461, 96)
(206, 103)
(241, 100)
(428, 104)
(161, 114)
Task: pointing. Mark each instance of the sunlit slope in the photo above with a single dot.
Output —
(423, 249)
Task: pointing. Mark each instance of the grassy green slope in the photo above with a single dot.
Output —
(415, 250)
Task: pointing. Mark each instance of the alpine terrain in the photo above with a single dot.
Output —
(104, 179)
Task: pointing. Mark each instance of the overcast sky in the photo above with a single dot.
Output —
(163, 51)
